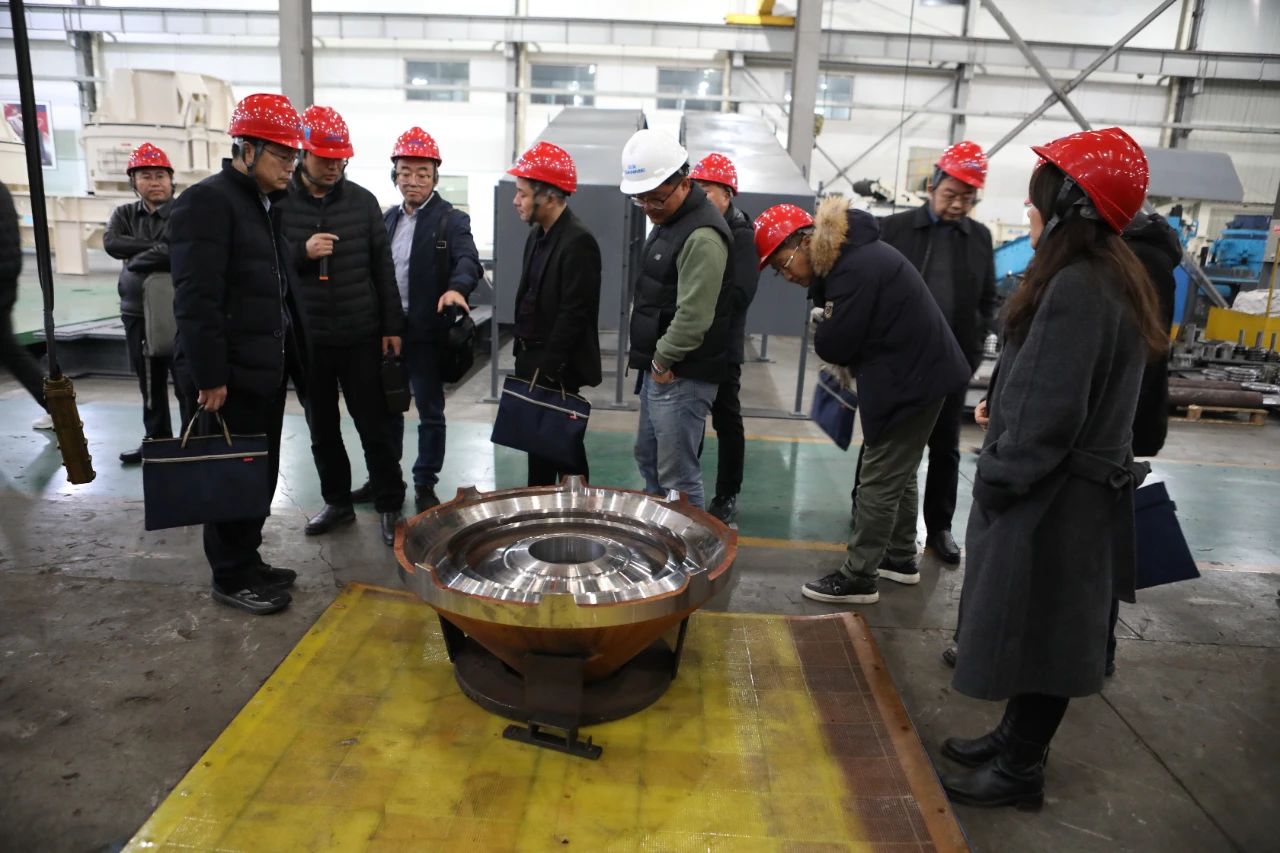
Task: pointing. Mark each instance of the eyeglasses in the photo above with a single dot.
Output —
(947, 197)
(653, 203)
(782, 269)
(419, 177)
(287, 155)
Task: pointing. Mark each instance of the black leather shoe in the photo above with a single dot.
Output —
(944, 545)
(724, 508)
(949, 655)
(1015, 777)
(329, 518)
(253, 599)
(131, 457)
(424, 498)
(387, 521)
(362, 495)
(269, 577)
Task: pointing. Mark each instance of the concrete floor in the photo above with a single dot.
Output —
(116, 670)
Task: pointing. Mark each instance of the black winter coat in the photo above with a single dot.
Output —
(1156, 244)
(10, 251)
(231, 271)
(359, 302)
(746, 279)
(463, 270)
(974, 276)
(139, 238)
(568, 302)
(880, 320)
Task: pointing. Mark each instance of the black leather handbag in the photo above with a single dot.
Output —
(205, 479)
(1162, 550)
(456, 349)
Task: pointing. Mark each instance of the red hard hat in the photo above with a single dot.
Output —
(965, 162)
(775, 225)
(549, 164)
(325, 134)
(1108, 165)
(718, 169)
(269, 117)
(416, 142)
(147, 156)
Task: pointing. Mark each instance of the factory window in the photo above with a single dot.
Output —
(577, 81)
(418, 73)
(834, 93)
(688, 84)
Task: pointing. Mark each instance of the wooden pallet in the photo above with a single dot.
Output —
(1195, 413)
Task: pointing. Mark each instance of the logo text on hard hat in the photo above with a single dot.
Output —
(633, 169)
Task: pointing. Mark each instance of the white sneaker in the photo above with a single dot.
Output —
(44, 422)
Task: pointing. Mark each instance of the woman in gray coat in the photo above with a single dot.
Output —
(1050, 537)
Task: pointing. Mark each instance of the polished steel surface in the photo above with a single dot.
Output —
(568, 556)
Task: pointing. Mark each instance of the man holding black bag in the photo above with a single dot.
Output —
(558, 300)
(437, 267)
(239, 332)
(347, 290)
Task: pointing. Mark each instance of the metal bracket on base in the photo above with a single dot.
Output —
(536, 735)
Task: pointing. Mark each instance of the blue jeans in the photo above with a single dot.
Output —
(672, 420)
(428, 395)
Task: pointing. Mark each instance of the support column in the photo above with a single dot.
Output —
(84, 44)
(297, 54)
(964, 77)
(1184, 89)
(804, 82)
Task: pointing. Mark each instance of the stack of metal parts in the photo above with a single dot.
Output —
(553, 600)
(1223, 373)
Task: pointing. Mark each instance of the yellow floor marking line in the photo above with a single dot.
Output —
(779, 733)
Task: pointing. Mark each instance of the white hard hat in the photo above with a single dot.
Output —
(648, 159)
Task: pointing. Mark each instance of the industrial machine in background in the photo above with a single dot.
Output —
(1235, 261)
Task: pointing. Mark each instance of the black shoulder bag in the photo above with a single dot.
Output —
(455, 347)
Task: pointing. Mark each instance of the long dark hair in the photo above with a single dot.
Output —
(1078, 236)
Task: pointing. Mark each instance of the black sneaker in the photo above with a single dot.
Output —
(839, 588)
(363, 495)
(131, 457)
(905, 573)
(269, 577)
(724, 508)
(424, 498)
(252, 598)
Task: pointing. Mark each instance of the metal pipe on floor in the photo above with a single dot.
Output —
(1180, 396)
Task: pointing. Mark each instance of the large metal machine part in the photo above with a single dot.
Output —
(554, 600)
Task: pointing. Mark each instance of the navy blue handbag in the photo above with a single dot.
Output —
(547, 422)
(834, 409)
(1163, 554)
(205, 479)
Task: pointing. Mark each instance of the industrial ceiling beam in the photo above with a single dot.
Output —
(924, 49)
(964, 79)
(1039, 66)
(1080, 78)
(804, 83)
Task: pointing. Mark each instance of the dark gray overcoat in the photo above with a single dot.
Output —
(1050, 537)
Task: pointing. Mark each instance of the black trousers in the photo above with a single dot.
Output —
(543, 471)
(19, 362)
(726, 420)
(153, 380)
(356, 370)
(943, 478)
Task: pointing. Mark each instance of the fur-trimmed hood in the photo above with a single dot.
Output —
(836, 226)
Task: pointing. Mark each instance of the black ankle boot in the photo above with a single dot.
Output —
(1014, 778)
(975, 752)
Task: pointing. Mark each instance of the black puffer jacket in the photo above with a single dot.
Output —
(10, 251)
(881, 321)
(746, 278)
(1156, 244)
(231, 275)
(140, 238)
(360, 301)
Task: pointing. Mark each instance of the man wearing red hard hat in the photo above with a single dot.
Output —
(953, 252)
(879, 323)
(347, 290)
(558, 299)
(239, 327)
(718, 178)
(437, 268)
(137, 234)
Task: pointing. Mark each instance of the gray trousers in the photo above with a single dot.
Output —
(888, 499)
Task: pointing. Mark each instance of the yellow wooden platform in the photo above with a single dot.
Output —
(779, 734)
